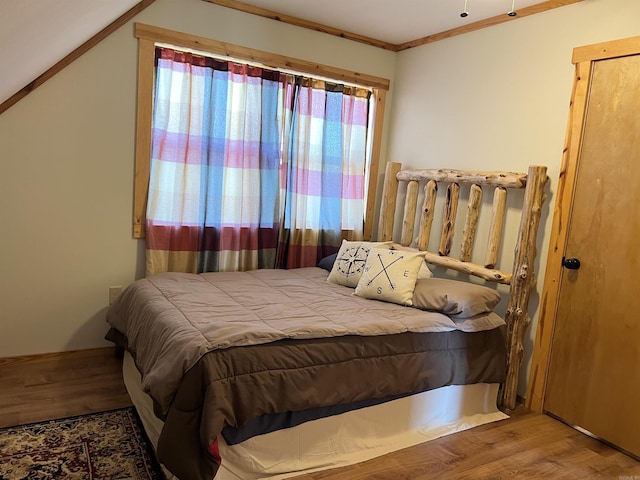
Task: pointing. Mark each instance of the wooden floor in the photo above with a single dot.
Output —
(526, 446)
(44, 387)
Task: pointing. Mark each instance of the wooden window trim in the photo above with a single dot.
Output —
(148, 36)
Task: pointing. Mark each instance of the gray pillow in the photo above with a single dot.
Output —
(327, 262)
(454, 298)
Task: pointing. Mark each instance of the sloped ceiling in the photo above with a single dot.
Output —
(36, 34)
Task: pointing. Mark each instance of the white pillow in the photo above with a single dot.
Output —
(349, 264)
(390, 276)
(425, 271)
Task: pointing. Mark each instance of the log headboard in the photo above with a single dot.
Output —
(520, 277)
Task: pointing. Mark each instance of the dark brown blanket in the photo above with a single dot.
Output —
(233, 386)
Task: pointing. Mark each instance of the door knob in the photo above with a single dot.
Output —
(571, 263)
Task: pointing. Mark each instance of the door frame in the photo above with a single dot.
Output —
(583, 59)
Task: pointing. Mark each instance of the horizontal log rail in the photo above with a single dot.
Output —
(496, 179)
(488, 274)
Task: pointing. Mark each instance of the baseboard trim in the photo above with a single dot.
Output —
(83, 353)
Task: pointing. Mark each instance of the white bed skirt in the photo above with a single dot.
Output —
(343, 439)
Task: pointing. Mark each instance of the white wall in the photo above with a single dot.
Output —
(498, 98)
(66, 183)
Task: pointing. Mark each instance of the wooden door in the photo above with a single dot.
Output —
(593, 379)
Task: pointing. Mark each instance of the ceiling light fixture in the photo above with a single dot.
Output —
(511, 13)
(464, 13)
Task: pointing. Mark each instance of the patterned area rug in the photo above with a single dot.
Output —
(103, 446)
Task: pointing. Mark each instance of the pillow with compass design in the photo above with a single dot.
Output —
(390, 276)
(350, 261)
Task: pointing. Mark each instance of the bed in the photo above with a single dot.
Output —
(228, 368)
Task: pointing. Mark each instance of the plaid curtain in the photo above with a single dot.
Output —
(325, 166)
(245, 172)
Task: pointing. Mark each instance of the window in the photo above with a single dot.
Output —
(279, 87)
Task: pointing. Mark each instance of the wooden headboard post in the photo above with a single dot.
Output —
(520, 278)
(389, 197)
(517, 315)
